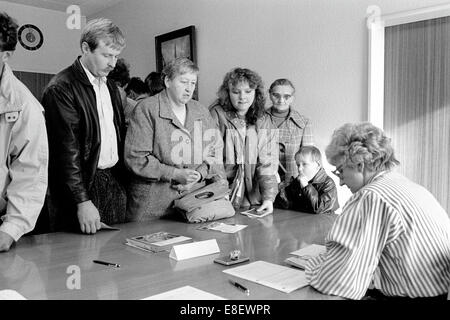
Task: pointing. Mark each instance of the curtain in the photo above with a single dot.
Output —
(35, 82)
(417, 102)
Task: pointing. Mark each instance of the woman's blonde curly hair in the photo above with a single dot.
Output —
(353, 144)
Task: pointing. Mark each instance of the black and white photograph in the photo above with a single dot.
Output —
(279, 154)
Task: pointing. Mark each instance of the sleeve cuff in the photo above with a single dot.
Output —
(12, 229)
(167, 173)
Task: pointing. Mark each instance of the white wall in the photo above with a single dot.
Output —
(60, 47)
(321, 45)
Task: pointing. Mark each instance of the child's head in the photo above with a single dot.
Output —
(309, 161)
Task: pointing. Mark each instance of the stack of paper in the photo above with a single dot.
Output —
(304, 254)
(156, 242)
(271, 275)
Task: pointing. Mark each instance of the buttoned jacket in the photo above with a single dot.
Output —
(23, 156)
(157, 143)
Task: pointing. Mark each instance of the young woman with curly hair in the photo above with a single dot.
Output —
(250, 145)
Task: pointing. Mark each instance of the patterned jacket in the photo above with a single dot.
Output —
(294, 133)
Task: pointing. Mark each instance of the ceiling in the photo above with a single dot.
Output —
(88, 7)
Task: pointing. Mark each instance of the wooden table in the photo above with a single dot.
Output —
(41, 266)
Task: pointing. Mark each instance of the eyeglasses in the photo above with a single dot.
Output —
(338, 171)
(278, 96)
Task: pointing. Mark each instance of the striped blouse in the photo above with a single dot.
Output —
(393, 234)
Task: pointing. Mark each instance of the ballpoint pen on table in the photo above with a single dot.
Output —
(240, 286)
(107, 263)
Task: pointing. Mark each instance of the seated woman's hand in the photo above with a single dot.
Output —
(186, 176)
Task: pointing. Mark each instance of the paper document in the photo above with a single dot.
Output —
(106, 227)
(185, 293)
(310, 251)
(223, 227)
(271, 275)
(11, 295)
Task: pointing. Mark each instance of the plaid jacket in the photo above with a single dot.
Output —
(294, 132)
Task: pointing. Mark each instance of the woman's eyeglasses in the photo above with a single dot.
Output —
(278, 96)
(338, 171)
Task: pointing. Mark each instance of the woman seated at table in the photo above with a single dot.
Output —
(392, 232)
(165, 147)
(250, 145)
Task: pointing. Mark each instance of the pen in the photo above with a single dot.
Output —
(240, 286)
(107, 263)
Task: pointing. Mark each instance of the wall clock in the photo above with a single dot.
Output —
(30, 37)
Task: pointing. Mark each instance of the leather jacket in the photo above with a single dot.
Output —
(319, 196)
(74, 132)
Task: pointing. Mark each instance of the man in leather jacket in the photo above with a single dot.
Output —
(86, 128)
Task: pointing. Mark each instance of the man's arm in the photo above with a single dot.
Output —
(28, 157)
(63, 124)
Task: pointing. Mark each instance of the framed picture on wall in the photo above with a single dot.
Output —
(176, 44)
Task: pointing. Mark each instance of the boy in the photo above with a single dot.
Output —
(312, 191)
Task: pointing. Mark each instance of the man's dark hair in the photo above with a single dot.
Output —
(8, 32)
(137, 85)
(121, 72)
(155, 83)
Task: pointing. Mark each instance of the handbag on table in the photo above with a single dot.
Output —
(206, 203)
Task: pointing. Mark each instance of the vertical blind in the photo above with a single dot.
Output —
(417, 102)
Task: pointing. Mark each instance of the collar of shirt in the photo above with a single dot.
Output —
(95, 81)
(297, 118)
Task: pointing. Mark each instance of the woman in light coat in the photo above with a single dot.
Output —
(172, 144)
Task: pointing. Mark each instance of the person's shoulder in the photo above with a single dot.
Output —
(149, 104)
(197, 105)
(264, 121)
(63, 80)
(216, 107)
(20, 97)
(298, 118)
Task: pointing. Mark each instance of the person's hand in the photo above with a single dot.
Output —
(303, 180)
(186, 176)
(183, 187)
(266, 206)
(88, 217)
(6, 241)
